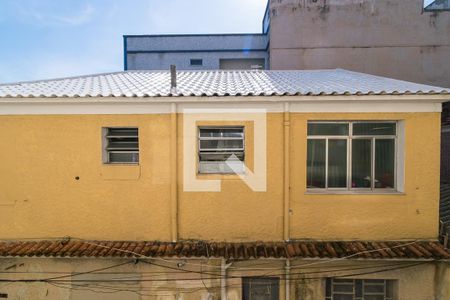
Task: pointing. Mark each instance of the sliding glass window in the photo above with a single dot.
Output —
(356, 155)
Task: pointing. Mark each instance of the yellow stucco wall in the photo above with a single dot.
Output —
(413, 214)
(40, 197)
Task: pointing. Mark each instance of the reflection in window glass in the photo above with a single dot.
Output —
(316, 164)
(337, 163)
(352, 155)
(384, 163)
(361, 163)
(328, 129)
(221, 150)
(374, 129)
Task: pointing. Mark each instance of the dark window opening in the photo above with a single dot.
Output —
(196, 62)
(260, 288)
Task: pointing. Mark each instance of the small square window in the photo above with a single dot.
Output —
(196, 62)
(121, 145)
(221, 150)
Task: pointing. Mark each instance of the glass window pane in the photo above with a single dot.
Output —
(373, 297)
(384, 163)
(358, 288)
(123, 132)
(337, 163)
(372, 281)
(221, 144)
(337, 280)
(327, 128)
(316, 164)
(361, 163)
(220, 167)
(374, 128)
(342, 297)
(389, 289)
(125, 143)
(222, 132)
(328, 287)
(344, 288)
(375, 289)
(221, 156)
(123, 157)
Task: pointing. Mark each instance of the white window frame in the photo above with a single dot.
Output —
(107, 152)
(225, 150)
(364, 282)
(398, 155)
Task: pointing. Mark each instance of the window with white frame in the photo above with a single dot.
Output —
(121, 145)
(359, 155)
(436, 5)
(359, 289)
(221, 150)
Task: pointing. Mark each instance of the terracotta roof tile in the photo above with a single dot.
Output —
(294, 249)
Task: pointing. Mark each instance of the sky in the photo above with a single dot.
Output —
(56, 38)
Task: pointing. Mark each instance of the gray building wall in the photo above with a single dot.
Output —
(158, 52)
(390, 38)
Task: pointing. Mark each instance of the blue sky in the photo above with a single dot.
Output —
(55, 38)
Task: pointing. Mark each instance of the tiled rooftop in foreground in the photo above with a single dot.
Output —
(294, 249)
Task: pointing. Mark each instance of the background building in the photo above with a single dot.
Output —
(397, 39)
(196, 52)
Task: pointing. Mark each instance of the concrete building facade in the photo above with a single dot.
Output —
(196, 52)
(407, 40)
(397, 39)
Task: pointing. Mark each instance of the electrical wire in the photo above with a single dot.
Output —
(227, 286)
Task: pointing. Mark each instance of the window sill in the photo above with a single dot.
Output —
(310, 192)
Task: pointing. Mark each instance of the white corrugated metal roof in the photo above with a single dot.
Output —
(217, 83)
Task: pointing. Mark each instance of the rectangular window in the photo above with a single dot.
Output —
(260, 288)
(436, 5)
(121, 145)
(221, 150)
(358, 155)
(359, 289)
(196, 62)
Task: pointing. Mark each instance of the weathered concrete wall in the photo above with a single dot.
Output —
(211, 60)
(158, 52)
(182, 279)
(383, 37)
